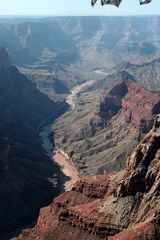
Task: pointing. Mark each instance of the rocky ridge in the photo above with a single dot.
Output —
(139, 105)
(104, 130)
(75, 45)
(122, 205)
(27, 175)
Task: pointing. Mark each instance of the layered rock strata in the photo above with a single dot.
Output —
(102, 131)
(123, 205)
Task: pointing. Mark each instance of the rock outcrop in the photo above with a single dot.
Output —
(27, 180)
(111, 100)
(119, 206)
(139, 105)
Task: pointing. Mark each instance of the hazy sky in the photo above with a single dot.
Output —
(75, 7)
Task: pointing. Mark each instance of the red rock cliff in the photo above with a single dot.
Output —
(138, 104)
(118, 206)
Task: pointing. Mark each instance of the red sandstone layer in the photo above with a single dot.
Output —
(119, 206)
(138, 104)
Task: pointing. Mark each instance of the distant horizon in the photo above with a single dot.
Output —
(49, 16)
(78, 8)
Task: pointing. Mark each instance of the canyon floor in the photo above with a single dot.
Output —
(60, 157)
(102, 154)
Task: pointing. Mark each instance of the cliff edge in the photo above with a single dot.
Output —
(119, 206)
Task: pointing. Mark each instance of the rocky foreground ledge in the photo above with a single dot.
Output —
(124, 205)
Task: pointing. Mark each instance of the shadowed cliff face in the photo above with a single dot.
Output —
(119, 206)
(111, 101)
(26, 173)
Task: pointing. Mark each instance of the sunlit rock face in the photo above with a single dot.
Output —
(139, 104)
(116, 206)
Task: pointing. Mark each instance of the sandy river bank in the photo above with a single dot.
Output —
(67, 168)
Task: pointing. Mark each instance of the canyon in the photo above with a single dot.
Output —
(118, 205)
(58, 155)
(102, 131)
(59, 53)
(77, 130)
(121, 205)
(29, 180)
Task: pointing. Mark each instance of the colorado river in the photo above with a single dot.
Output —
(59, 156)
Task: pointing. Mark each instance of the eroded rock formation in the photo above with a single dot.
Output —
(119, 206)
(102, 131)
(138, 104)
